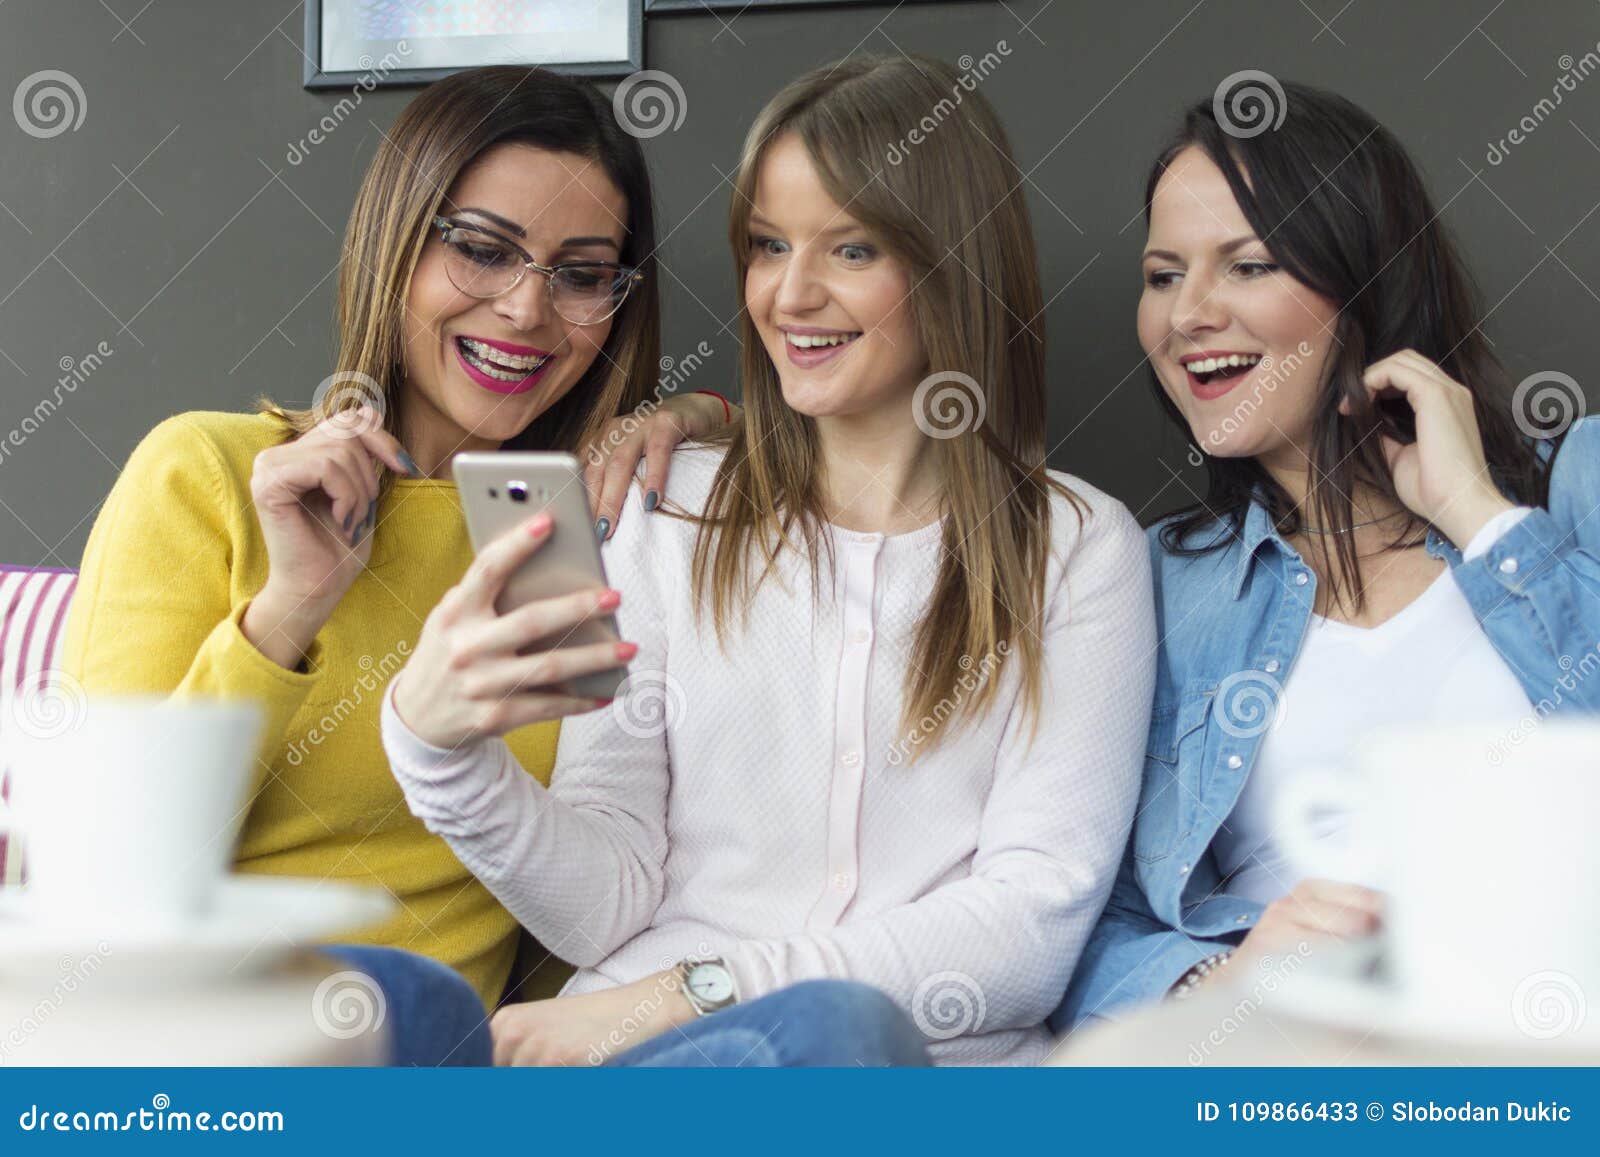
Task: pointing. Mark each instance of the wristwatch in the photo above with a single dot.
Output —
(708, 983)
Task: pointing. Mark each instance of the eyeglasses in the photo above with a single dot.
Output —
(481, 263)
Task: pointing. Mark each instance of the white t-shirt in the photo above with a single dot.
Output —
(1429, 664)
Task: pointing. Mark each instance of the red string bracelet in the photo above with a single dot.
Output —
(727, 411)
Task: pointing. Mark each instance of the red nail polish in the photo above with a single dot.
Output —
(609, 601)
(626, 651)
(539, 524)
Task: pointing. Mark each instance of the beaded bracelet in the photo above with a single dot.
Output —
(1202, 968)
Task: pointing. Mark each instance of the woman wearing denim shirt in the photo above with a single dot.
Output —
(1391, 531)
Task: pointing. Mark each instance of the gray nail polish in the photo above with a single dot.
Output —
(410, 464)
(347, 519)
(602, 528)
(652, 499)
(365, 524)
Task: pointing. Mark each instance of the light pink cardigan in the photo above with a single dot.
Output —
(759, 803)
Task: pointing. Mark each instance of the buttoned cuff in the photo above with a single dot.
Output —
(1490, 532)
(1513, 561)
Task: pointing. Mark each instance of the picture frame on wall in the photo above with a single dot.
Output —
(391, 43)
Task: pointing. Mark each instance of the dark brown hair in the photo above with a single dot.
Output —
(1344, 210)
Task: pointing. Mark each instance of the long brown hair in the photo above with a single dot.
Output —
(1344, 210)
(438, 135)
(949, 210)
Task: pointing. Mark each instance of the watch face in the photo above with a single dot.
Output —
(712, 983)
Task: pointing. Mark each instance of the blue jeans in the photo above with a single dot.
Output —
(433, 1015)
(817, 1023)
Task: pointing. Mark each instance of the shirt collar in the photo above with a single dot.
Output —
(1258, 528)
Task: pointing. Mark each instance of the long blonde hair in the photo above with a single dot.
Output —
(951, 213)
(437, 136)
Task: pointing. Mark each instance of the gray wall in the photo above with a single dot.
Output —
(171, 227)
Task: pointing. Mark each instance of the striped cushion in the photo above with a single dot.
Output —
(33, 609)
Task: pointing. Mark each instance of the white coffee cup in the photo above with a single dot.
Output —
(128, 813)
(1482, 840)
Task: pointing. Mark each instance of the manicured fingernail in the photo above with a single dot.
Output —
(348, 518)
(609, 600)
(602, 528)
(539, 524)
(652, 499)
(366, 522)
(626, 651)
(599, 703)
(410, 464)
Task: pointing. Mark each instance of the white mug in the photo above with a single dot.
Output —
(128, 816)
(1483, 841)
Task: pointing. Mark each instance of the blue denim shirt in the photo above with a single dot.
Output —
(1231, 624)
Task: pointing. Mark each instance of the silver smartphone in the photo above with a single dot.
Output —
(500, 489)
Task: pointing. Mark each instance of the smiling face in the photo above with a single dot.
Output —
(1237, 343)
(480, 370)
(830, 305)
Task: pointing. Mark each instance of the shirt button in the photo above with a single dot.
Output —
(860, 635)
(866, 538)
(841, 880)
(1508, 566)
(850, 758)
(1183, 871)
(1241, 919)
(1235, 762)
(1301, 578)
(1272, 666)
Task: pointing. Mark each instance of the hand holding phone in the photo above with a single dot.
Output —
(529, 633)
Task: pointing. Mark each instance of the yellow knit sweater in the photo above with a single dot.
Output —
(173, 561)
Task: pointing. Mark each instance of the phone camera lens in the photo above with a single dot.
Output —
(518, 491)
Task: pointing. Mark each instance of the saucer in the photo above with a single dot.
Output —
(1345, 988)
(253, 924)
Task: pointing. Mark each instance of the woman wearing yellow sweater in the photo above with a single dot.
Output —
(496, 289)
